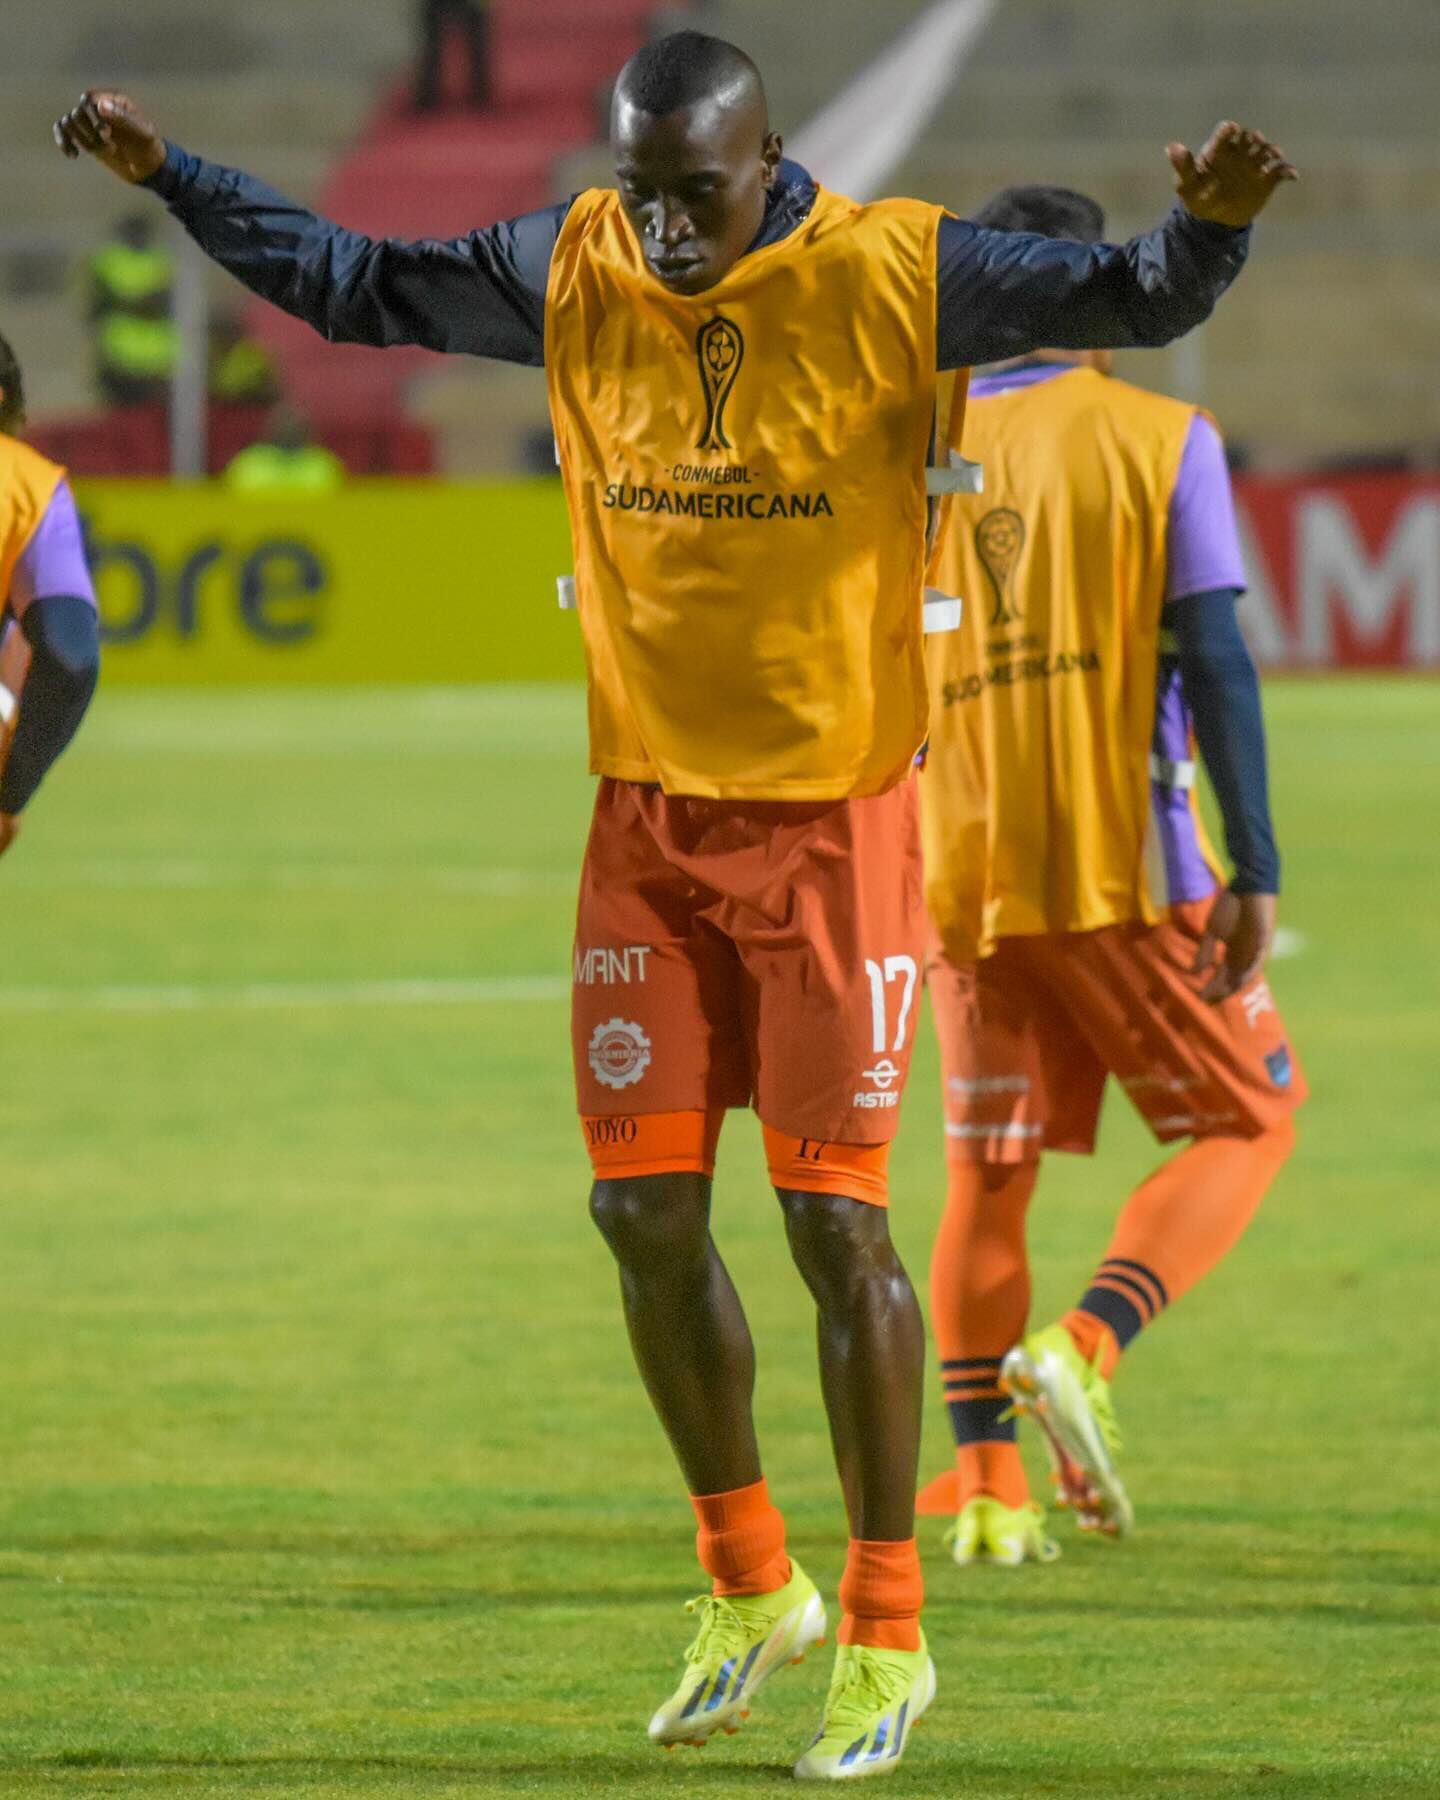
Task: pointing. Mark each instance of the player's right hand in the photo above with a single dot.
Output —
(1237, 939)
(110, 127)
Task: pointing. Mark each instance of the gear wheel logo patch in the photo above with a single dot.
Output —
(619, 1053)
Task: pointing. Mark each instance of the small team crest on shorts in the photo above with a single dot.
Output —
(1282, 1071)
(619, 1053)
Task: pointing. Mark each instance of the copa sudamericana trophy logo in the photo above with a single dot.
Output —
(719, 349)
(999, 539)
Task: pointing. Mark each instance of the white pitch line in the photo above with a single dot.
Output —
(289, 996)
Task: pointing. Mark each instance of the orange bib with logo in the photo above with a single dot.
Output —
(745, 472)
(1037, 788)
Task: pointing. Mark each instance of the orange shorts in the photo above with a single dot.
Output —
(1028, 1036)
(732, 953)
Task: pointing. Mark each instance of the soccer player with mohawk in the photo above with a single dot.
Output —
(742, 378)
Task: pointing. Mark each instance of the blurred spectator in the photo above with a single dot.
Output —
(242, 371)
(131, 281)
(471, 19)
(286, 460)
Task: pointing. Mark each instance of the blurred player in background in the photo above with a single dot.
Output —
(741, 371)
(1084, 927)
(49, 635)
(439, 20)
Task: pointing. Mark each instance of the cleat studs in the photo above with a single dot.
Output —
(732, 1730)
(746, 1713)
(819, 1644)
(795, 1661)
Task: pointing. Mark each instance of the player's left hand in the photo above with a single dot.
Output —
(1237, 939)
(9, 830)
(1229, 181)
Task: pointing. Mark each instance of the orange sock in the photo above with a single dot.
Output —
(991, 1466)
(881, 1593)
(1093, 1338)
(1175, 1227)
(979, 1300)
(741, 1540)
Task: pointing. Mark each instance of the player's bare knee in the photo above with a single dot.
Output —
(838, 1243)
(647, 1219)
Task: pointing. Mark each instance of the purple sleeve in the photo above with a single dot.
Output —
(1204, 545)
(53, 562)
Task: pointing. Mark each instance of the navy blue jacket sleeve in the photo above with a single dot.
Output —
(481, 295)
(1006, 293)
(64, 665)
(1222, 691)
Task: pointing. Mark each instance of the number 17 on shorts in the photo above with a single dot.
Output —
(893, 985)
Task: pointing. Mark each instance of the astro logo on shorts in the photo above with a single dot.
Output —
(884, 1075)
(1282, 1070)
(619, 1053)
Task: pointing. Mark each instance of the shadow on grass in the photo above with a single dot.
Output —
(983, 1779)
(376, 1600)
(1406, 1606)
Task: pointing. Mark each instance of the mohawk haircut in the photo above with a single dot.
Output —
(1054, 212)
(12, 399)
(683, 69)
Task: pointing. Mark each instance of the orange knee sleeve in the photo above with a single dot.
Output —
(652, 1143)
(812, 1166)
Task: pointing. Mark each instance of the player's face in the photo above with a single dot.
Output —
(693, 184)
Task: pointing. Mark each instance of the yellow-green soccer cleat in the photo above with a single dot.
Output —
(1069, 1399)
(876, 1698)
(986, 1531)
(743, 1639)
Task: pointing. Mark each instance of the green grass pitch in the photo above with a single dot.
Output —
(323, 1468)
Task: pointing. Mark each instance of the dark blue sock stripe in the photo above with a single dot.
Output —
(1122, 1316)
(1143, 1269)
(1127, 1284)
(970, 1362)
(980, 1421)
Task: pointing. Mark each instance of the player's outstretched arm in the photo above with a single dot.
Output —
(1004, 294)
(481, 295)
